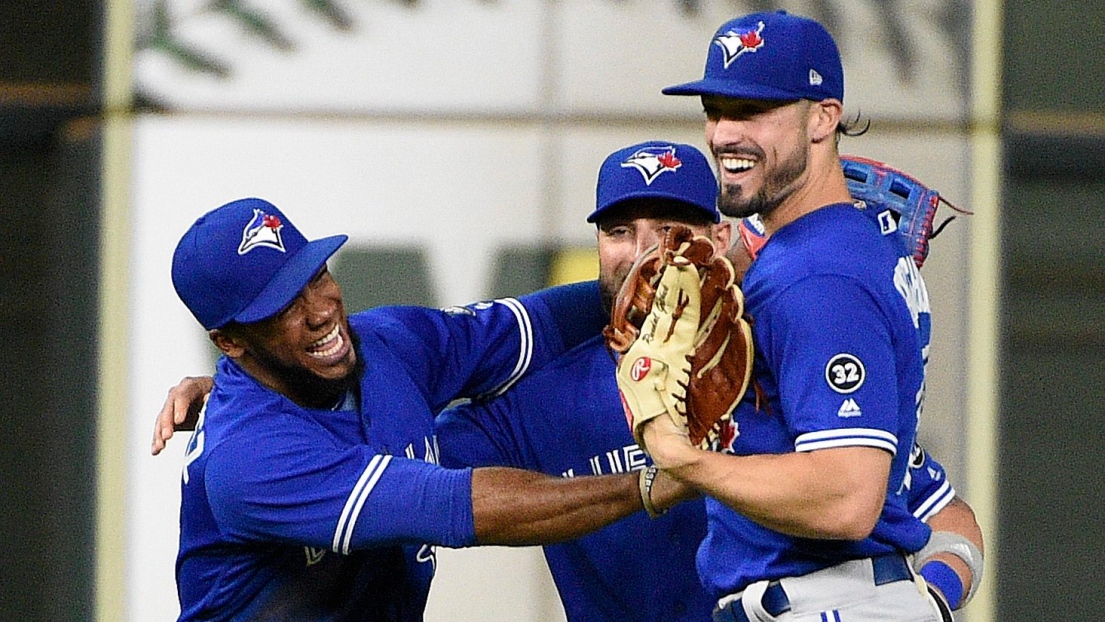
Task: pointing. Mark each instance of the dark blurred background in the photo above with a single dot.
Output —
(1050, 505)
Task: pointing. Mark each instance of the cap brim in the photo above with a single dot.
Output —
(730, 88)
(713, 214)
(291, 279)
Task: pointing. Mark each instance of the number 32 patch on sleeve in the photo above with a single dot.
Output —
(844, 373)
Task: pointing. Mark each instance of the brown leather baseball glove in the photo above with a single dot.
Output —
(704, 373)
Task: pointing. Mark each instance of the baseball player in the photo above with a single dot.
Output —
(310, 489)
(642, 190)
(566, 419)
(808, 516)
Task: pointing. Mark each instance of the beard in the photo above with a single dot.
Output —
(609, 285)
(319, 392)
(778, 185)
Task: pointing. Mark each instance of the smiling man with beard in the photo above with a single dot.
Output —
(808, 502)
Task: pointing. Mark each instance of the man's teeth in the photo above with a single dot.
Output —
(737, 165)
(334, 336)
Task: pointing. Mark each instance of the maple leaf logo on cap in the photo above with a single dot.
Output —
(262, 230)
(733, 44)
(652, 161)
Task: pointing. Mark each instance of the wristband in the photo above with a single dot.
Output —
(644, 483)
(942, 577)
(955, 544)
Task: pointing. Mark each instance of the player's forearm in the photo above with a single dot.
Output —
(515, 507)
(828, 494)
(957, 517)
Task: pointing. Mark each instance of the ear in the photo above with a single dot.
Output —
(824, 118)
(227, 343)
(723, 235)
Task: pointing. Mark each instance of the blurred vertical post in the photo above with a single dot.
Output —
(983, 338)
(111, 498)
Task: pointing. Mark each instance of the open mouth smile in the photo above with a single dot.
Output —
(327, 346)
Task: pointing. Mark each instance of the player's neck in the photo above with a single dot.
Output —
(822, 186)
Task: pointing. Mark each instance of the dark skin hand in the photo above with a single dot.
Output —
(181, 409)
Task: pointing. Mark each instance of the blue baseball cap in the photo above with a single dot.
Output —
(770, 56)
(245, 262)
(657, 170)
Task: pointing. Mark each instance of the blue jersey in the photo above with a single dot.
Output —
(566, 419)
(841, 325)
(306, 514)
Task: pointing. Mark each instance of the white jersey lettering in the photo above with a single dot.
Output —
(908, 282)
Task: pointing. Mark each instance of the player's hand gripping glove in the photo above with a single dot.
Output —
(685, 347)
(911, 205)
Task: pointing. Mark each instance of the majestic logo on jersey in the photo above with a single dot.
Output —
(640, 368)
(733, 44)
(845, 373)
(262, 230)
(652, 161)
(849, 408)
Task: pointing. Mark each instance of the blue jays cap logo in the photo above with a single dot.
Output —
(733, 44)
(262, 230)
(651, 161)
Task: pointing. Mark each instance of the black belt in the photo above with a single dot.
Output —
(889, 568)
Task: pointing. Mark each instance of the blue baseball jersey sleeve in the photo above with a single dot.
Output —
(927, 485)
(296, 513)
(841, 325)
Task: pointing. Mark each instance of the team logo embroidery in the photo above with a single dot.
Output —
(845, 373)
(640, 368)
(262, 230)
(733, 43)
(849, 409)
(652, 161)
